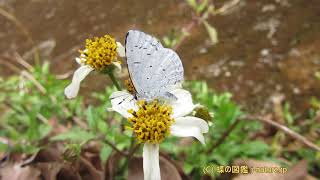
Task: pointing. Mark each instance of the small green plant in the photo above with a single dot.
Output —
(306, 125)
(31, 102)
(202, 10)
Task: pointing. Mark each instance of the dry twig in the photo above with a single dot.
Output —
(23, 62)
(13, 19)
(22, 28)
(285, 129)
(96, 174)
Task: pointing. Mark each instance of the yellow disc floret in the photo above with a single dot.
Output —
(151, 122)
(100, 52)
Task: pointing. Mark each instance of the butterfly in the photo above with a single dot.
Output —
(153, 69)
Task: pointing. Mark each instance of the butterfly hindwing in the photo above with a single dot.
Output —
(154, 70)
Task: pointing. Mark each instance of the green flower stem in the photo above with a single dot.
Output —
(113, 79)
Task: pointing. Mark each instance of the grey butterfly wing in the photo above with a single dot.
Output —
(138, 46)
(154, 70)
(163, 72)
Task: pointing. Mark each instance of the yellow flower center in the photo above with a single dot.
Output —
(151, 122)
(100, 52)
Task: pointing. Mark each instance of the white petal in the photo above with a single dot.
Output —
(189, 126)
(81, 60)
(72, 89)
(78, 60)
(117, 65)
(121, 50)
(122, 101)
(151, 167)
(183, 105)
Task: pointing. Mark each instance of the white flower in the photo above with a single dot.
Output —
(172, 117)
(86, 66)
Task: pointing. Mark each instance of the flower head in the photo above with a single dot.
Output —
(99, 54)
(153, 121)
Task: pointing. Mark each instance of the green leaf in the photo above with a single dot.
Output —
(188, 167)
(3, 147)
(225, 113)
(287, 114)
(45, 68)
(254, 148)
(202, 6)
(24, 148)
(91, 119)
(105, 152)
(166, 41)
(213, 34)
(74, 135)
(192, 3)
(102, 127)
(44, 130)
(315, 102)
